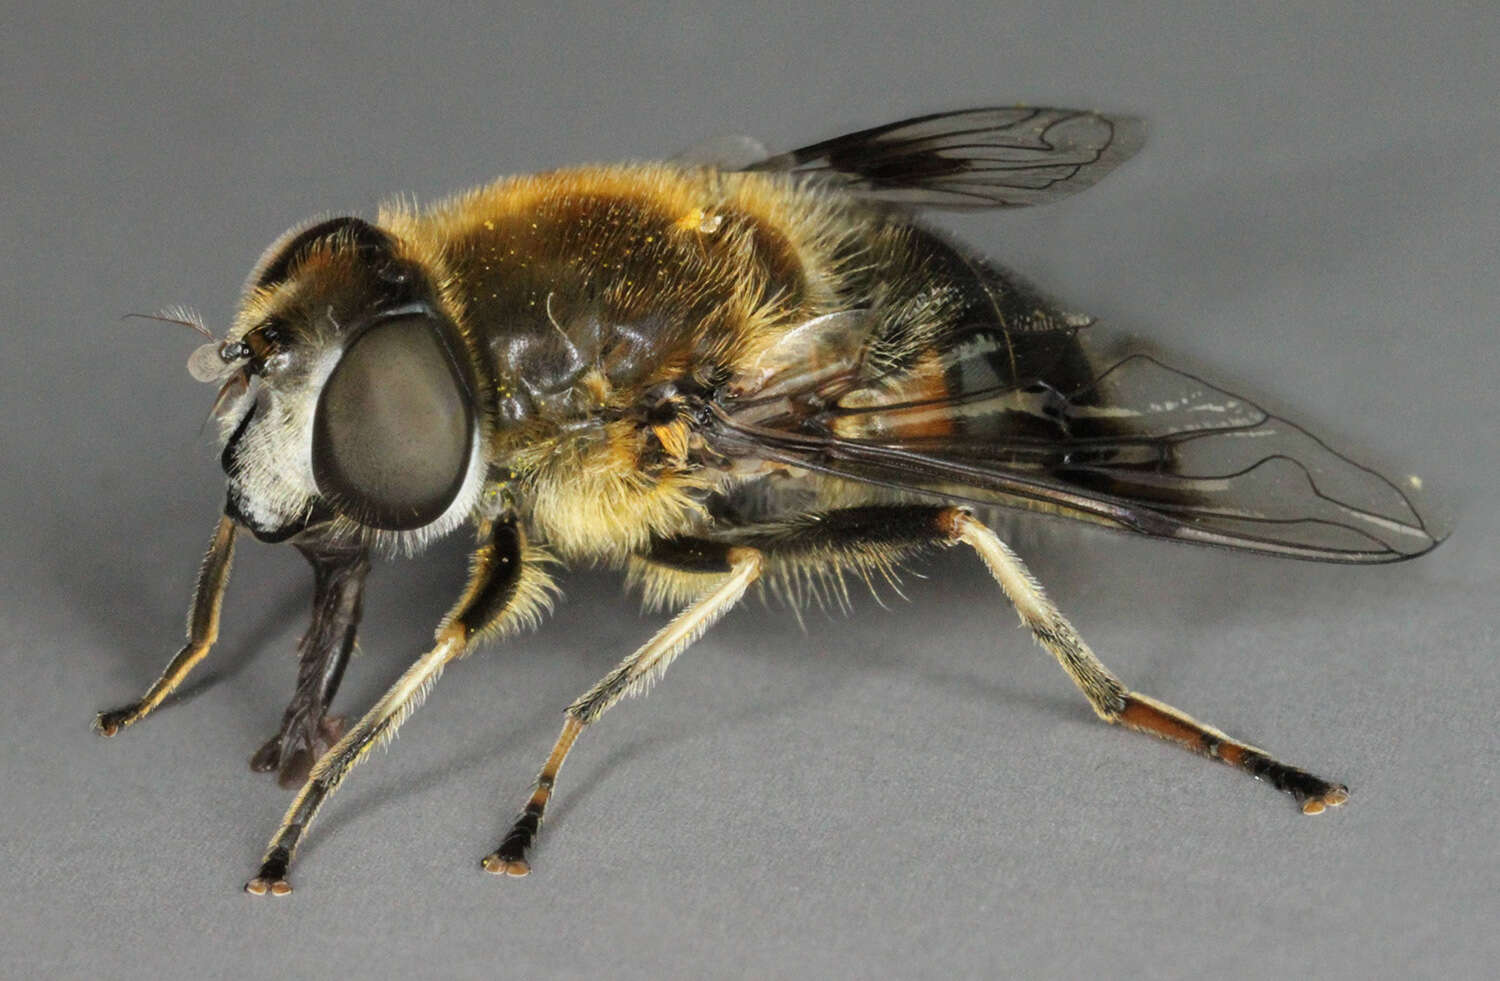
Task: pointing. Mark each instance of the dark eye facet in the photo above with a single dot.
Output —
(392, 434)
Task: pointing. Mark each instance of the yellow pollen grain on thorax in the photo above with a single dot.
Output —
(699, 221)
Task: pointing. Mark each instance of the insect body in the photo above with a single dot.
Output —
(721, 375)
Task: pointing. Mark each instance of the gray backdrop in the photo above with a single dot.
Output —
(917, 792)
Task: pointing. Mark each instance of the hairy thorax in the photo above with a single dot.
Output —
(599, 301)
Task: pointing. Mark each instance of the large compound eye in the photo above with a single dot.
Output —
(392, 434)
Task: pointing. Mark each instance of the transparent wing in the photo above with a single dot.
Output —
(733, 152)
(975, 158)
(1139, 444)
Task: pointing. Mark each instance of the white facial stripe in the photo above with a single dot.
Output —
(275, 477)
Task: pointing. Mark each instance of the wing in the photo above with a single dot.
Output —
(1015, 419)
(975, 158)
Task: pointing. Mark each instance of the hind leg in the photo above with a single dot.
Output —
(872, 540)
(1112, 701)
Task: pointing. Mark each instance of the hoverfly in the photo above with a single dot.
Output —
(719, 374)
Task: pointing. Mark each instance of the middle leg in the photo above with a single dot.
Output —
(870, 541)
(506, 592)
(737, 567)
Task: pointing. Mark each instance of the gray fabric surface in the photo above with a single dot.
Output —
(917, 792)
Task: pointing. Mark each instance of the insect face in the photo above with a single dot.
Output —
(358, 414)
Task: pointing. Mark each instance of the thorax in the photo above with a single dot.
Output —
(590, 298)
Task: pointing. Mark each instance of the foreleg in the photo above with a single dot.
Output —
(202, 631)
(307, 731)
